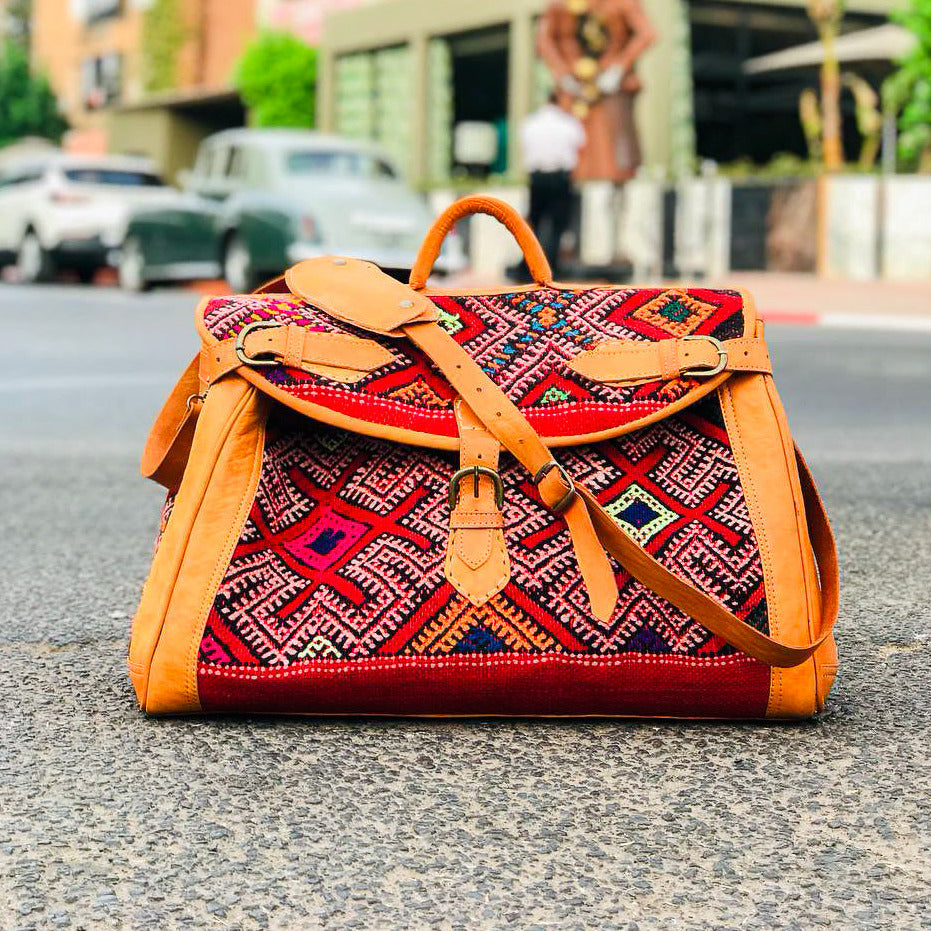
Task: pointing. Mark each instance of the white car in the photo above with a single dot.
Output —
(61, 211)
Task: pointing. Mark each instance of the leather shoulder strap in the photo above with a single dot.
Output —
(507, 423)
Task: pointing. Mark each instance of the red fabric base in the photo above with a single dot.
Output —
(629, 685)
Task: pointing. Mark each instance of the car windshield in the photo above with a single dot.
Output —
(124, 177)
(340, 164)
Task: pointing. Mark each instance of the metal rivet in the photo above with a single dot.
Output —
(407, 305)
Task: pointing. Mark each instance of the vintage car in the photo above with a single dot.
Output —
(257, 201)
(61, 212)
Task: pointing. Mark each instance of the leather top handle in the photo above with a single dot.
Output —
(533, 252)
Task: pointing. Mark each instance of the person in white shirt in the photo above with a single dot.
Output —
(552, 140)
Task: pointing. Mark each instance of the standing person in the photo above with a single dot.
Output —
(552, 140)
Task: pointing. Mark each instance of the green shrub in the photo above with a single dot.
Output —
(277, 77)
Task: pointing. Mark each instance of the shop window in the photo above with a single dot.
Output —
(479, 63)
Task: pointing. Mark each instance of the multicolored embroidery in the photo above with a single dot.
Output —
(342, 555)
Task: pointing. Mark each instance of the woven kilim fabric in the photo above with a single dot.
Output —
(342, 555)
(523, 341)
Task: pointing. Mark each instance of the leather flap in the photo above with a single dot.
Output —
(525, 339)
(360, 294)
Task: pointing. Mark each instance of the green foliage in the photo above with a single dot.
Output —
(277, 77)
(908, 91)
(164, 32)
(28, 106)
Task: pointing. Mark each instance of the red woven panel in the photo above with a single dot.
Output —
(341, 562)
(522, 340)
(733, 687)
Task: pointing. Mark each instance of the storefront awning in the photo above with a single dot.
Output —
(881, 43)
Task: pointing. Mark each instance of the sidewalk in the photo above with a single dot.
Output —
(807, 299)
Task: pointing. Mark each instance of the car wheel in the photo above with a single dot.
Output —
(237, 265)
(33, 263)
(130, 270)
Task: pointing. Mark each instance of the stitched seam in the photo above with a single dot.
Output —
(335, 666)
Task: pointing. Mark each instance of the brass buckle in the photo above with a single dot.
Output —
(562, 506)
(707, 372)
(243, 356)
(475, 472)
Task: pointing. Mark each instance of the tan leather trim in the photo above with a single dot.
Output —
(169, 444)
(766, 463)
(623, 362)
(537, 263)
(477, 562)
(211, 508)
(358, 293)
(338, 357)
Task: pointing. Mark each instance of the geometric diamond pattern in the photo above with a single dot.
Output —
(640, 514)
(342, 556)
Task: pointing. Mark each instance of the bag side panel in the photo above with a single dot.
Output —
(224, 463)
(765, 456)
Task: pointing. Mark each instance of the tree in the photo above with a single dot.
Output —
(827, 16)
(277, 77)
(908, 91)
(28, 106)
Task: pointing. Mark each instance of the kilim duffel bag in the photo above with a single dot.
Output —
(551, 500)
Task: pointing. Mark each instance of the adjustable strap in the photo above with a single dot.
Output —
(338, 356)
(169, 446)
(477, 562)
(505, 421)
(618, 362)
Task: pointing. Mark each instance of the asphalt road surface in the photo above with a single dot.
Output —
(108, 819)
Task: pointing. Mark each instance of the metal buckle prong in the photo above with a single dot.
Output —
(476, 472)
(707, 372)
(256, 362)
(563, 505)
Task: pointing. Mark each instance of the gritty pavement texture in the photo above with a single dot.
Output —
(111, 820)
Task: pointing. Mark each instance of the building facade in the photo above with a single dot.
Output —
(406, 72)
(107, 55)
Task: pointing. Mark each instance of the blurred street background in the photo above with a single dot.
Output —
(152, 151)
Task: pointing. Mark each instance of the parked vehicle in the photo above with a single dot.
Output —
(60, 211)
(257, 201)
